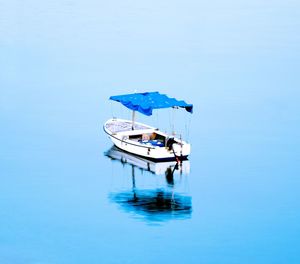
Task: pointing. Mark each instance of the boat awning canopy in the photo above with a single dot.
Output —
(146, 102)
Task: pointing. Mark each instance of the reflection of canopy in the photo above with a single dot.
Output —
(146, 102)
(154, 205)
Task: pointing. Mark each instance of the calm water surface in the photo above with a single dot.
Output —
(64, 199)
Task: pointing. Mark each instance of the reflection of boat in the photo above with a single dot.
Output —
(153, 205)
(144, 140)
(145, 164)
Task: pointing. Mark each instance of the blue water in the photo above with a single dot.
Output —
(62, 200)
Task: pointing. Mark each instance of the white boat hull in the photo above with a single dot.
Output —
(123, 137)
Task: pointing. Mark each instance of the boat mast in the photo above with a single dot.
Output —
(133, 120)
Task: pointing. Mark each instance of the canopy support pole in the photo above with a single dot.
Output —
(173, 121)
(133, 120)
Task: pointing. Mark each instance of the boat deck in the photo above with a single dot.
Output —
(116, 126)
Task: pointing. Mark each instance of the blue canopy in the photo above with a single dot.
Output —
(146, 102)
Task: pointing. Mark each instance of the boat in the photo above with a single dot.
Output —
(143, 140)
